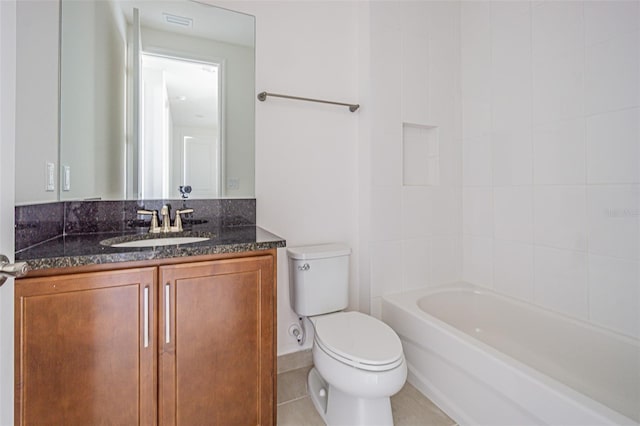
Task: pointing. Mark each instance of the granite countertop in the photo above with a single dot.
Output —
(85, 249)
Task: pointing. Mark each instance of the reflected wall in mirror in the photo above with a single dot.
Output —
(155, 95)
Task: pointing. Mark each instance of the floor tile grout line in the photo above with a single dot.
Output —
(292, 400)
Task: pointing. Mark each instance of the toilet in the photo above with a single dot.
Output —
(358, 359)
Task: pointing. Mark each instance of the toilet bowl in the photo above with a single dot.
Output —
(358, 359)
(358, 365)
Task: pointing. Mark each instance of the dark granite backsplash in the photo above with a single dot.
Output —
(37, 223)
(88, 217)
(40, 222)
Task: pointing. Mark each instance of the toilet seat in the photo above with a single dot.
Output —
(358, 340)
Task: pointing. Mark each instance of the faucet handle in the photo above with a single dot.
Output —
(154, 228)
(178, 222)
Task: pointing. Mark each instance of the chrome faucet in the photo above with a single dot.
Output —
(166, 219)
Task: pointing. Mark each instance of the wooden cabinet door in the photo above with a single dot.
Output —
(216, 362)
(86, 349)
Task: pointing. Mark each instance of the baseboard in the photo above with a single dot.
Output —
(295, 360)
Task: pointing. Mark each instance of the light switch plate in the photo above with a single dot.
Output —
(50, 179)
(66, 178)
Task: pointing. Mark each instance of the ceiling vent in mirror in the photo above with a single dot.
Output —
(178, 20)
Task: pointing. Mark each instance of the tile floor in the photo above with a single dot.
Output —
(410, 407)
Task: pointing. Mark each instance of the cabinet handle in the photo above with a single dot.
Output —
(146, 316)
(167, 313)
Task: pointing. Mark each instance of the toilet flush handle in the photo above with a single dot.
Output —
(304, 267)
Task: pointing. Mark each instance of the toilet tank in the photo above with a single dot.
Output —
(318, 278)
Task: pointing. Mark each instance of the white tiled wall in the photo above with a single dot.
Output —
(551, 155)
(415, 232)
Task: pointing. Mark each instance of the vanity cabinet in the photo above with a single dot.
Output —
(80, 353)
(216, 360)
(163, 343)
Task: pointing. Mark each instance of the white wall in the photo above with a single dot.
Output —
(7, 168)
(551, 113)
(306, 176)
(93, 118)
(37, 103)
(306, 154)
(413, 236)
(324, 174)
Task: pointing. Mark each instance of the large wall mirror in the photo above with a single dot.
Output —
(155, 95)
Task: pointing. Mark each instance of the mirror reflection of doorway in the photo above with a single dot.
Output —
(181, 132)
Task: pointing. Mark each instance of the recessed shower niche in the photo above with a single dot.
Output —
(420, 155)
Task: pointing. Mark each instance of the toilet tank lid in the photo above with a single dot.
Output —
(319, 251)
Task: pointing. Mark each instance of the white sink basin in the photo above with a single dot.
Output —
(155, 242)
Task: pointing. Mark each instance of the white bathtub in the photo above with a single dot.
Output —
(486, 359)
